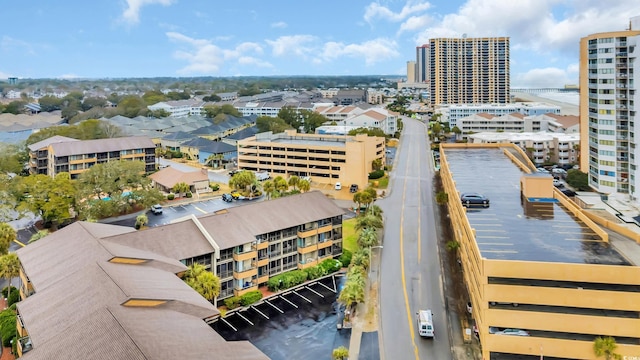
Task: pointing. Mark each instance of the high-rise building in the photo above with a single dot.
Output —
(411, 71)
(609, 140)
(422, 63)
(469, 70)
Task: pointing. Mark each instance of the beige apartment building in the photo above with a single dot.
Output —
(544, 278)
(62, 154)
(469, 70)
(327, 159)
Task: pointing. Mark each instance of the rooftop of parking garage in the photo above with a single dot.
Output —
(511, 228)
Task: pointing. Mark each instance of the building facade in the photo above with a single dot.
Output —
(422, 72)
(469, 70)
(607, 113)
(61, 154)
(451, 113)
(325, 158)
(411, 71)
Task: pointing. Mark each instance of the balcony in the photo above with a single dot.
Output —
(325, 244)
(24, 345)
(247, 287)
(247, 255)
(307, 263)
(245, 272)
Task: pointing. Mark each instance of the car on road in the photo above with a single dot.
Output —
(236, 195)
(353, 188)
(569, 192)
(470, 199)
(227, 198)
(156, 209)
(557, 183)
(338, 186)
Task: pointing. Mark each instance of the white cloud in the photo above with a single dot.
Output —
(375, 10)
(545, 77)
(415, 23)
(298, 45)
(371, 51)
(68, 76)
(279, 25)
(131, 14)
(204, 57)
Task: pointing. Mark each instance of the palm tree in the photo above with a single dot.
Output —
(9, 268)
(39, 235)
(180, 188)
(357, 198)
(340, 353)
(294, 181)
(368, 237)
(368, 221)
(203, 281)
(281, 184)
(7, 236)
(268, 187)
(214, 157)
(352, 293)
(304, 185)
(606, 346)
(376, 211)
(362, 257)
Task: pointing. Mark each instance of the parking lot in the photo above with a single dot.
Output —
(515, 229)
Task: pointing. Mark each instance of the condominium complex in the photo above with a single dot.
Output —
(607, 110)
(451, 113)
(411, 71)
(516, 122)
(422, 64)
(469, 70)
(325, 158)
(62, 154)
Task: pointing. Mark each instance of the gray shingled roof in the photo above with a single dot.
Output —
(102, 145)
(46, 142)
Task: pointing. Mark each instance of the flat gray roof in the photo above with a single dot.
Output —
(310, 142)
(514, 229)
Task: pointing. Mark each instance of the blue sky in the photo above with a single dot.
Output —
(176, 38)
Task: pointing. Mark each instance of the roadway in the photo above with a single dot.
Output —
(410, 271)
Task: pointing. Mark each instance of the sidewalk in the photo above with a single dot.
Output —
(366, 314)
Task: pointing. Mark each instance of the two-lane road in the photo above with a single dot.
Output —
(410, 273)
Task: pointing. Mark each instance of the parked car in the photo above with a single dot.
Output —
(306, 178)
(338, 186)
(156, 209)
(469, 308)
(353, 188)
(236, 195)
(516, 332)
(227, 197)
(569, 192)
(557, 183)
(469, 199)
(542, 170)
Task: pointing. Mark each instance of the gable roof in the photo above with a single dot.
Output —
(48, 141)
(101, 145)
(169, 177)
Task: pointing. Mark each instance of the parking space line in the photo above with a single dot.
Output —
(496, 244)
(491, 230)
(488, 224)
(500, 251)
(581, 239)
(492, 237)
(197, 208)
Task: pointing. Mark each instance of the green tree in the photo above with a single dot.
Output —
(368, 221)
(362, 257)
(39, 235)
(203, 281)
(294, 181)
(268, 188)
(215, 160)
(275, 125)
(132, 106)
(242, 180)
(50, 103)
(12, 158)
(9, 268)
(153, 97)
(15, 107)
(53, 199)
(181, 188)
(370, 132)
(304, 185)
(211, 98)
(376, 164)
(7, 236)
(367, 238)
(341, 353)
(375, 210)
(290, 116)
(606, 346)
(91, 102)
(280, 184)
(141, 220)
(578, 180)
(311, 120)
(442, 198)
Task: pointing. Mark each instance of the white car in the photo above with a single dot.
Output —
(156, 209)
(338, 186)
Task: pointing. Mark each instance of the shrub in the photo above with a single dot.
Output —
(330, 265)
(8, 327)
(189, 195)
(250, 297)
(287, 280)
(14, 297)
(171, 196)
(316, 272)
(5, 291)
(377, 174)
(214, 187)
(232, 302)
(345, 258)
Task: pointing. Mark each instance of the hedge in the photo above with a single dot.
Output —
(8, 327)
(171, 197)
(331, 265)
(376, 174)
(250, 297)
(214, 187)
(287, 280)
(5, 291)
(189, 195)
(345, 258)
(13, 298)
(232, 302)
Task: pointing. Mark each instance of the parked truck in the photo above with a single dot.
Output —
(425, 323)
(262, 175)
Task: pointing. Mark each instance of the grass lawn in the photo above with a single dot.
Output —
(383, 182)
(349, 236)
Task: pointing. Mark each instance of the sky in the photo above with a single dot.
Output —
(184, 38)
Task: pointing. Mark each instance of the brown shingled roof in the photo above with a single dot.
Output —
(566, 120)
(101, 145)
(169, 177)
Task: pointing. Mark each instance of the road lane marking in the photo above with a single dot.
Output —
(19, 243)
(202, 211)
(402, 272)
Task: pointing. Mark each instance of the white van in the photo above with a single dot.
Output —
(425, 323)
